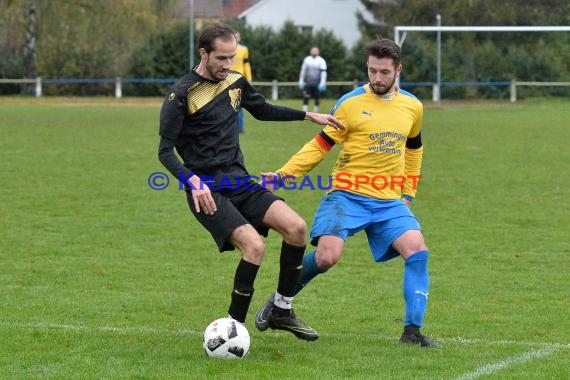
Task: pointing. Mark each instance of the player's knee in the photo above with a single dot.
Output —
(413, 249)
(296, 231)
(409, 243)
(254, 252)
(325, 259)
(324, 263)
(419, 246)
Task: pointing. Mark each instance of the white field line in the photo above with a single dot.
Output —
(190, 332)
(110, 329)
(490, 369)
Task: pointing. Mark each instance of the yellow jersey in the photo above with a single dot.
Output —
(382, 151)
(241, 62)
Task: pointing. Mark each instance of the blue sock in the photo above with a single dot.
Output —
(310, 270)
(416, 284)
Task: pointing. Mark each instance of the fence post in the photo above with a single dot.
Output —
(436, 93)
(118, 88)
(513, 91)
(274, 90)
(355, 83)
(38, 87)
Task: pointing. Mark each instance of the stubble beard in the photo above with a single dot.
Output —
(216, 75)
(383, 90)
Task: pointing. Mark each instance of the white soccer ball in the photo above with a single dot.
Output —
(226, 338)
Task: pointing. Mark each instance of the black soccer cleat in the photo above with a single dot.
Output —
(412, 335)
(291, 323)
(262, 315)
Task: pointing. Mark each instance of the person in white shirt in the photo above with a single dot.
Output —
(313, 78)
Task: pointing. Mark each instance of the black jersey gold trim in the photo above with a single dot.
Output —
(202, 94)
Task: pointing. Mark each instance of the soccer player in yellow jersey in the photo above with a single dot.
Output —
(241, 64)
(374, 183)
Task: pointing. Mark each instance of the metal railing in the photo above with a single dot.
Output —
(275, 84)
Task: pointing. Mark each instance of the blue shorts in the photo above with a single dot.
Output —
(343, 214)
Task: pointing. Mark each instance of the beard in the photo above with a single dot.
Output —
(216, 73)
(382, 89)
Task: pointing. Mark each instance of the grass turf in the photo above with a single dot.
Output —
(103, 277)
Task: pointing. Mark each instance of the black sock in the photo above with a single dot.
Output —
(411, 330)
(243, 290)
(291, 262)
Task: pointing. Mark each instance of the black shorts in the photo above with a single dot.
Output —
(312, 92)
(235, 208)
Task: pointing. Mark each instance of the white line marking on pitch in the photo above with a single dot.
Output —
(492, 368)
(185, 332)
(111, 329)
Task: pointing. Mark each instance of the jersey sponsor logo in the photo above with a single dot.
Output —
(385, 149)
(387, 134)
(387, 142)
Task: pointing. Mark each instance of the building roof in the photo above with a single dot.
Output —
(211, 9)
(203, 9)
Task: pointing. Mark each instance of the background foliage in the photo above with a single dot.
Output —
(77, 38)
(141, 39)
(479, 57)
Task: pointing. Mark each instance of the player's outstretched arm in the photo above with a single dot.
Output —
(325, 119)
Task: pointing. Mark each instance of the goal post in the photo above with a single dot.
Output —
(401, 31)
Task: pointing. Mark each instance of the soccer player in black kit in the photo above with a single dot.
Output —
(199, 119)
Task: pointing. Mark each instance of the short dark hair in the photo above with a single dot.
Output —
(213, 31)
(383, 48)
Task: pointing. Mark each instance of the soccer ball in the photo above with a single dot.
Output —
(226, 338)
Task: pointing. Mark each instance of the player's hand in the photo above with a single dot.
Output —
(325, 119)
(407, 202)
(301, 85)
(322, 87)
(270, 181)
(202, 196)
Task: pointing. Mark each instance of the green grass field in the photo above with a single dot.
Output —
(105, 278)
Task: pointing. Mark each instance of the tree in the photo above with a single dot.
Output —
(76, 38)
(30, 46)
(12, 25)
(272, 55)
(471, 56)
(164, 55)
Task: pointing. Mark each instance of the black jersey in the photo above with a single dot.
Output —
(200, 116)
